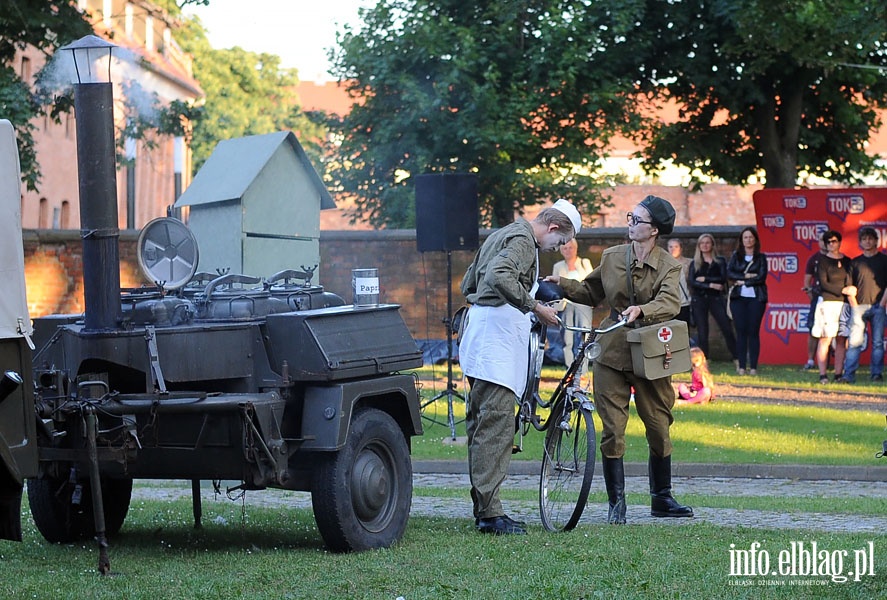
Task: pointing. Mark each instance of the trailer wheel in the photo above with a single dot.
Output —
(60, 520)
(361, 494)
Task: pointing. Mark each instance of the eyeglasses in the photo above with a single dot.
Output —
(632, 219)
(833, 241)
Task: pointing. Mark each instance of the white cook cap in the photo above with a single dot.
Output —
(568, 209)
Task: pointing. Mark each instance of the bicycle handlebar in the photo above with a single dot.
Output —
(612, 327)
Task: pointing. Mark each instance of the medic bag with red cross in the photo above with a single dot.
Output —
(660, 350)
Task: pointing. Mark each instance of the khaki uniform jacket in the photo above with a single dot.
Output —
(504, 269)
(657, 290)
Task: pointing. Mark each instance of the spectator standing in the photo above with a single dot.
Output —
(676, 249)
(748, 298)
(575, 315)
(708, 282)
(869, 272)
(811, 288)
(836, 287)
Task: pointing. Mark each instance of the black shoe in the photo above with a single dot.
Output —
(662, 503)
(500, 526)
(666, 506)
(877, 377)
(506, 518)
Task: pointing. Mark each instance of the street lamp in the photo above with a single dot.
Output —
(97, 177)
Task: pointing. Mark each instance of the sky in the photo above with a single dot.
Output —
(298, 31)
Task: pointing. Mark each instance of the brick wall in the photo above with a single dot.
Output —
(417, 281)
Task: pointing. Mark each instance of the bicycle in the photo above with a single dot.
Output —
(570, 439)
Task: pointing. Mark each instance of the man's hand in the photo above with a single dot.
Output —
(545, 313)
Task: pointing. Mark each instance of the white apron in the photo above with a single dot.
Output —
(495, 344)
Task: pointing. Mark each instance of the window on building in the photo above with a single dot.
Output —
(26, 70)
(56, 217)
(65, 220)
(69, 125)
(43, 214)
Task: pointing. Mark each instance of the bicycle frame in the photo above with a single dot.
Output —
(531, 400)
(569, 445)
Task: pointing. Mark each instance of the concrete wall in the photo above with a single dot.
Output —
(417, 281)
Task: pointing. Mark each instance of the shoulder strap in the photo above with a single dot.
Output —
(628, 274)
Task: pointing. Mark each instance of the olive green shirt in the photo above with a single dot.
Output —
(657, 290)
(504, 269)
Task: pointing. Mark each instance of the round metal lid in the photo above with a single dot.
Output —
(167, 252)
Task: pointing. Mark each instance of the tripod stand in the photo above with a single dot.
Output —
(450, 392)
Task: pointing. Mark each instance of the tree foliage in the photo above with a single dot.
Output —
(773, 87)
(527, 94)
(502, 89)
(45, 25)
(246, 94)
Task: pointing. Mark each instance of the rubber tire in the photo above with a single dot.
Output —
(375, 459)
(563, 513)
(58, 521)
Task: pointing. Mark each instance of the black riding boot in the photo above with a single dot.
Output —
(662, 503)
(614, 478)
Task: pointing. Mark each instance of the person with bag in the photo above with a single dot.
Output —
(837, 295)
(747, 298)
(500, 285)
(869, 271)
(640, 281)
(676, 249)
(708, 284)
(575, 315)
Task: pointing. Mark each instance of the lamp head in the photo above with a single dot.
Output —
(92, 59)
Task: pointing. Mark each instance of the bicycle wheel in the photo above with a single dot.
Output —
(567, 467)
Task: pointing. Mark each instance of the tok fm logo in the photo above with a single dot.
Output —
(783, 320)
(773, 222)
(842, 205)
(808, 233)
(781, 263)
(794, 203)
(665, 334)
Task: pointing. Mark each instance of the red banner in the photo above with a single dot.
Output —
(790, 223)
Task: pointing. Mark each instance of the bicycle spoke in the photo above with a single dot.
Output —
(567, 469)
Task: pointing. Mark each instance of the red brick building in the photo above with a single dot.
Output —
(149, 55)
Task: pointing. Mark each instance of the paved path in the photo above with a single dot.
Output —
(451, 475)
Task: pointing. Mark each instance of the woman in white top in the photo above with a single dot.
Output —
(575, 315)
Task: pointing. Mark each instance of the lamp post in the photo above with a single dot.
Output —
(97, 177)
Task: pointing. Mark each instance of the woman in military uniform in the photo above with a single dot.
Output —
(656, 277)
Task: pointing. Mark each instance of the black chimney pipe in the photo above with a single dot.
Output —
(97, 174)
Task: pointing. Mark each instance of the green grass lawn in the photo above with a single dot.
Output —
(267, 553)
(721, 432)
(252, 552)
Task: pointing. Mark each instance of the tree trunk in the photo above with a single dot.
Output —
(779, 126)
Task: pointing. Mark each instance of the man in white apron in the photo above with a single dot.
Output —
(493, 352)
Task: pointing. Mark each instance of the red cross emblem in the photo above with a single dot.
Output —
(665, 334)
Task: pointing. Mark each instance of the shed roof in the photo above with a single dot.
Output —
(236, 163)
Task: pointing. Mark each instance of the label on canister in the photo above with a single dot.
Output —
(365, 286)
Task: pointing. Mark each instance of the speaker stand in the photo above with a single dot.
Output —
(450, 392)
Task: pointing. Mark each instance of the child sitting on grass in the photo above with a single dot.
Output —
(701, 388)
